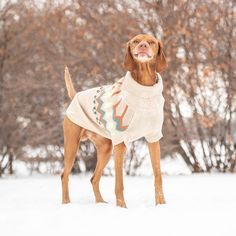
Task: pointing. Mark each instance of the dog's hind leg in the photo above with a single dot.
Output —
(72, 134)
(104, 150)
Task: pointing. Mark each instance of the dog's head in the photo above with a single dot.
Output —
(145, 49)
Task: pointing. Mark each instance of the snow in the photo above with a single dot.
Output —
(196, 205)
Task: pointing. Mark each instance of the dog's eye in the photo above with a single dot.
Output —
(151, 42)
(136, 41)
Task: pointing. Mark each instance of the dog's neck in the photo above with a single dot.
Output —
(144, 74)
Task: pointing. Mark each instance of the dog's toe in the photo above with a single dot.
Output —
(65, 201)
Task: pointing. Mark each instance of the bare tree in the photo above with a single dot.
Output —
(200, 104)
(38, 39)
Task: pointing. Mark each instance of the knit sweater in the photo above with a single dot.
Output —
(122, 112)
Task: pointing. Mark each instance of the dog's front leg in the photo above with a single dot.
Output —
(154, 150)
(119, 153)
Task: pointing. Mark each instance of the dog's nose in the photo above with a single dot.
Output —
(143, 44)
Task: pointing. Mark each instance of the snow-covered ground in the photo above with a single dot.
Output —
(201, 205)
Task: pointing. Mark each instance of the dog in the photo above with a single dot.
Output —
(111, 116)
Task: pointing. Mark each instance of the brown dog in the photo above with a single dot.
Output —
(143, 60)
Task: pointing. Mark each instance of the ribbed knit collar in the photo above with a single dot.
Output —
(133, 87)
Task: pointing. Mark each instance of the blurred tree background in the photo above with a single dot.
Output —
(38, 38)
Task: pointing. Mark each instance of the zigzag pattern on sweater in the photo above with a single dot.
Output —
(106, 103)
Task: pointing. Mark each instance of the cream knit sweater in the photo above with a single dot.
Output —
(122, 112)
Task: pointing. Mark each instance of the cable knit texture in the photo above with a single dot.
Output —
(122, 112)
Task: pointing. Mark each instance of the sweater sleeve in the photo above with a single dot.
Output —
(154, 137)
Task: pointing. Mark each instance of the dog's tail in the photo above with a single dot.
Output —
(69, 85)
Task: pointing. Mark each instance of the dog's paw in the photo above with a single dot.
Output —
(65, 201)
(120, 203)
(101, 201)
(160, 200)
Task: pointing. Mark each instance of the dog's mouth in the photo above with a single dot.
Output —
(142, 56)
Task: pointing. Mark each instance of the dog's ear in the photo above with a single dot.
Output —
(129, 63)
(161, 63)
